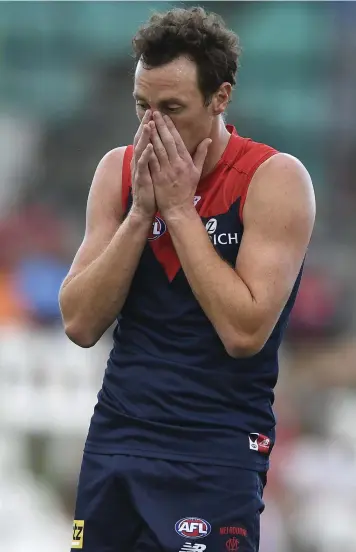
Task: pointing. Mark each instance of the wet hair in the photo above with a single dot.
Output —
(201, 36)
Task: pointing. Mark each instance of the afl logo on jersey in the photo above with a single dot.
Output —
(211, 225)
(192, 528)
(158, 229)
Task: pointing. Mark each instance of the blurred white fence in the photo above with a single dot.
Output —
(47, 384)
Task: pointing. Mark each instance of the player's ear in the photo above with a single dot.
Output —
(221, 98)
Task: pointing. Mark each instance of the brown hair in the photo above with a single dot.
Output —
(202, 36)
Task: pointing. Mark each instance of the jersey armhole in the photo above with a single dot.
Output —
(126, 177)
(249, 177)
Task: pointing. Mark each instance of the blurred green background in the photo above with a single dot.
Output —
(66, 99)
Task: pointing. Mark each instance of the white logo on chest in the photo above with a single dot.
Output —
(220, 239)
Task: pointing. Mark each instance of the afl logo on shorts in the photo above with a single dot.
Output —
(158, 229)
(192, 528)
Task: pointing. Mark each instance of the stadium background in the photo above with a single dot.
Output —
(65, 99)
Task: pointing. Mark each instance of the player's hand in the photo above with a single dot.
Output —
(144, 202)
(175, 174)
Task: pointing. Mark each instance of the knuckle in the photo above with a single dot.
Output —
(161, 151)
(170, 139)
(178, 166)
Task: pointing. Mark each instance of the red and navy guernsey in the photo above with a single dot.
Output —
(170, 389)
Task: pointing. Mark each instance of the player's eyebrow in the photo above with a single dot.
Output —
(172, 100)
(165, 101)
(138, 97)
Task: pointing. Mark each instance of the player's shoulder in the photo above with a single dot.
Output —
(283, 181)
(113, 159)
(107, 181)
(249, 154)
(281, 167)
(251, 146)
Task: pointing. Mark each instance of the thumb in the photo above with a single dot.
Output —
(200, 154)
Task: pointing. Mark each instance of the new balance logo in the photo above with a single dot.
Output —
(189, 547)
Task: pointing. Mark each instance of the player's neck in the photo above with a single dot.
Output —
(220, 138)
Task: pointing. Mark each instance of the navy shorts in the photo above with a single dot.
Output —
(134, 504)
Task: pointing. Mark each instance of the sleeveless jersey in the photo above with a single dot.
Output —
(170, 389)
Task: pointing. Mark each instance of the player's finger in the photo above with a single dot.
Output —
(142, 143)
(158, 146)
(200, 154)
(142, 163)
(180, 145)
(145, 119)
(153, 163)
(165, 136)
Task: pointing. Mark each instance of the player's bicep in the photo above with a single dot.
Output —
(103, 213)
(278, 220)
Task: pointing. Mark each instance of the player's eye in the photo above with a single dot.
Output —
(172, 109)
(142, 105)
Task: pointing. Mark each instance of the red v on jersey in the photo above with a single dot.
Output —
(215, 194)
(165, 253)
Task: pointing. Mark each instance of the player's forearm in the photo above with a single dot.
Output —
(222, 294)
(92, 299)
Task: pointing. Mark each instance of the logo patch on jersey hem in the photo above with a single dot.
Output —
(259, 443)
(192, 528)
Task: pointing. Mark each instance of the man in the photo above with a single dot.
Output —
(195, 240)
